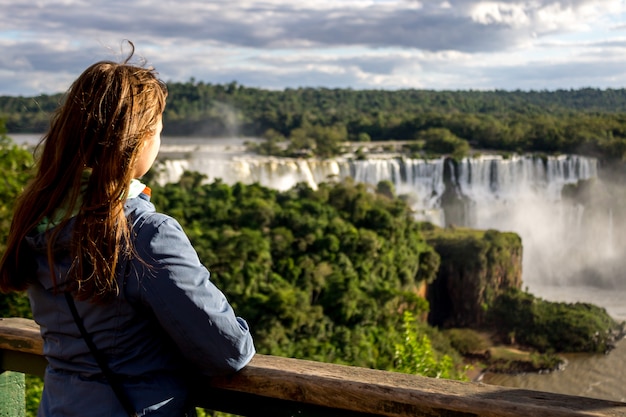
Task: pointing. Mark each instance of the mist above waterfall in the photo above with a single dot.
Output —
(567, 241)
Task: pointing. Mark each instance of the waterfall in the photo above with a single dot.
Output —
(422, 180)
(495, 177)
(520, 193)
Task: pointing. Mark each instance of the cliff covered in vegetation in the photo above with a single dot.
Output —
(476, 268)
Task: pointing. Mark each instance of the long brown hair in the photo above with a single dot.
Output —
(106, 115)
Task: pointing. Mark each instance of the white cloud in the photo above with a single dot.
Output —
(351, 43)
(489, 13)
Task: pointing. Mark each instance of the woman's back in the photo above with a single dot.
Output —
(167, 320)
(84, 228)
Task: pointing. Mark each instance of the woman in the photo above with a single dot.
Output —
(84, 226)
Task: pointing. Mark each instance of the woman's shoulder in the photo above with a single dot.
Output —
(141, 212)
(144, 218)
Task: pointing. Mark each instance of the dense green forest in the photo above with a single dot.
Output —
(334, 274)
(316, 121)
(322, 274)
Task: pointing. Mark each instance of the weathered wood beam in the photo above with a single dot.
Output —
(18, 334)
(395, 394)
(299, 387)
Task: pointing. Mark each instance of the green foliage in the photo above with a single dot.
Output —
(14, 305)
(34, 389)
(318, 140)
(363, 137)
(386, 188)
(320, 274)
(505, 360)
(15, 165)
(415, 354)
(553, 327)
(467, 341)
(200, 412)
(442, 141)
(270, 146)
(28, 114)
(316, 120)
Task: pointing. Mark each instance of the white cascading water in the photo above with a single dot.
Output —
(520, 194)
(421, 179)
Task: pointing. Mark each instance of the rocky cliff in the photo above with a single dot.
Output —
(476, 267)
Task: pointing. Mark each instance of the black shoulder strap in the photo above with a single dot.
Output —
(111, 378)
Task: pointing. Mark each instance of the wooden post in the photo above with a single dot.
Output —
(12, 400)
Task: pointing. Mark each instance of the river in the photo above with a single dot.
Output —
(597, 376)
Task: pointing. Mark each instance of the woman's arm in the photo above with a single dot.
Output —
(191, 309)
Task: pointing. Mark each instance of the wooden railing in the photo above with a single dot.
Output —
(289, 387)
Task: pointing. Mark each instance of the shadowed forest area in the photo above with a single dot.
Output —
(317, 121)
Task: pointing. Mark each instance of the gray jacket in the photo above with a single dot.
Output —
(168, 318)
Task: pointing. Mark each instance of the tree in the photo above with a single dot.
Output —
(320, 274)
(442, 141)
(15, 170)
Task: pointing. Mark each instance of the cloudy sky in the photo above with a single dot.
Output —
(382, 44)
